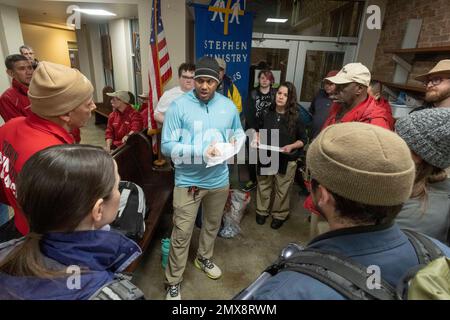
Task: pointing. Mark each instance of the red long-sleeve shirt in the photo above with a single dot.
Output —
(14, 102)
(121, 123)
(20, 138)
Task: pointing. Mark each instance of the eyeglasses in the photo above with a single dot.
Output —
(187, 78)
(435, 81)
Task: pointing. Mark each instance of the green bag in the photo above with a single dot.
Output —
(432, 282)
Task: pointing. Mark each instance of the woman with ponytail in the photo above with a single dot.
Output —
(69, 193)
(280, 127)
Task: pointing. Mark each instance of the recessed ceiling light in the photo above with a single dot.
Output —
(96, 12)
(276, 20)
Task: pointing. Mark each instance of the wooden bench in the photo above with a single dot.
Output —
(104, 108)
(135, 163)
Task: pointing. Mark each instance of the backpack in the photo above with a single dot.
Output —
(350, 279)
(130, 220)
(120, 288)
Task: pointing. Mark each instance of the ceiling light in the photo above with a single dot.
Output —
(276, 20)
(96, 12)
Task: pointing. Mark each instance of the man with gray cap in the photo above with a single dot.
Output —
(437, 84)
(123, 121)
(194, 125)
(360, 176)
(354, 104)
(61, 101)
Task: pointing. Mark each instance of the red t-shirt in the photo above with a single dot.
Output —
(20, 138)
(121, 123)
(14, 102)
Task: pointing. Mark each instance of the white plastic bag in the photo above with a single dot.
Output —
(233, 213)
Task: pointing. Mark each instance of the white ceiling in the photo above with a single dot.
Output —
(38, 11)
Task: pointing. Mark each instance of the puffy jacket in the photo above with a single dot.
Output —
(232, 92)
(20, 138)
(385, 246)
(14, 102)
(100, 253)
(190, 125)
(369, 111)
(121, 123)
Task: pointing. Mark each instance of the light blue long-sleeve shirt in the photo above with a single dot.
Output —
(190, 126)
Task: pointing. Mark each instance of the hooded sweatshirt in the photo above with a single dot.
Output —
(190, 126)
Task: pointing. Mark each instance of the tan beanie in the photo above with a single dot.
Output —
(56, 89)
(362, 162)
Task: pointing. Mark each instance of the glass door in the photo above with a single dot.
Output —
(278, 55)
(314, 61)
(303, 61)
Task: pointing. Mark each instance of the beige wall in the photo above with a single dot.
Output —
(368, 39)
(49, 44)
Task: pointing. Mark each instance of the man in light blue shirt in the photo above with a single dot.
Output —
(194, 126)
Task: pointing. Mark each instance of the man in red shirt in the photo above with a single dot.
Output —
(61, 100)
(14, 101)
(122, 122)
(354, 104)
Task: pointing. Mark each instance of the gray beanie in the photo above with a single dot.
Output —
(427, 133)
(207, 67)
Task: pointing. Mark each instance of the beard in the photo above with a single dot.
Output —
(435, 95)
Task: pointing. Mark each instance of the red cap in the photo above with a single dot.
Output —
(332, 73)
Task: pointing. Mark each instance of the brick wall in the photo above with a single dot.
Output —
(435, 31)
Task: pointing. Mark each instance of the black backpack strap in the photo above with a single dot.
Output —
(119, 289)
(344, 275)
(426, 249)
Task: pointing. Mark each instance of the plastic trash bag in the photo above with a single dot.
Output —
(233, 213)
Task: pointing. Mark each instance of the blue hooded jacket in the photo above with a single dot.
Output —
(190, 126)
(99, 254)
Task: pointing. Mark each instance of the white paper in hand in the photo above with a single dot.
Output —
(227, 150)
(271, 148)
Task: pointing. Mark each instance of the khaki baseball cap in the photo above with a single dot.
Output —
(352, 72)
(121, 94)
(442, 67)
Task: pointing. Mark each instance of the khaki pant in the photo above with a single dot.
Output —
(279, 185)
(185, 208)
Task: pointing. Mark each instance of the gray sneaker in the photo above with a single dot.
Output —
(173, 292)
(208, 267)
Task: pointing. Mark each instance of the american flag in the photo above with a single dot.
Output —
(160, 71)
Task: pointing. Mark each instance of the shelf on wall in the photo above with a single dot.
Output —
(405, 87)
(430, 50)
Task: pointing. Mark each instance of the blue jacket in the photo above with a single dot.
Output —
(384, 246)
(189, 127)
(102, 253)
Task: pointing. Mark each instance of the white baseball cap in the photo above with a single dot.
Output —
(352, 72)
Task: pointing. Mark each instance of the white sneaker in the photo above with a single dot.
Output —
(173, 292)
(208, 267)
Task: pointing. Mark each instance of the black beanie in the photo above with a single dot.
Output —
(207, 67)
